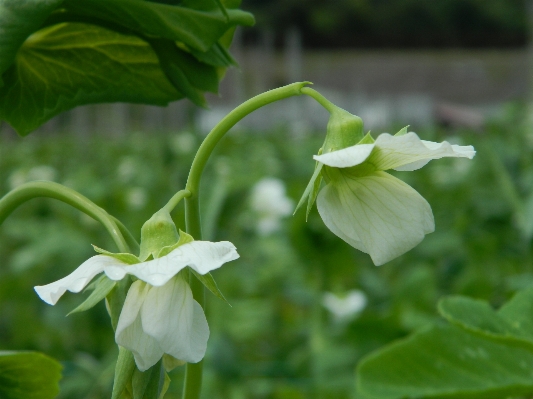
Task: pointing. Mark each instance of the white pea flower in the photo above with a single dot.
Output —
(347, 306)
(367, 207)
(270, 201)
(159, 315)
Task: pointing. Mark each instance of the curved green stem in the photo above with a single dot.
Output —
(25, 192)
(193, 373)
(175, 200)
(328, 105)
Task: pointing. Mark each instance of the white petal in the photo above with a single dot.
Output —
(408, 152)
(346, 157)
(130, 334)
(202, 256)
(377, 214)
(176, 321)
(75, 281)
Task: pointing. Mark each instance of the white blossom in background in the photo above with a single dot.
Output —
(269, 200)
(183, 143)
(136, 198)
(39, 172)
(127, 169)
(345, 307)
(159, 315)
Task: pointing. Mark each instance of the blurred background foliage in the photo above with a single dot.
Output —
(395, 24)
(280, 339)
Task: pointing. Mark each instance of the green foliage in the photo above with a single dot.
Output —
(277, 340)
(56, 55)
(481, 354)
(28, 375)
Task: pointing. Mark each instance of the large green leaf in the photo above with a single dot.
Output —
(447, 362)
(58, 54)
(511, 322)
(28, 375)
(72, 64)
(18, 20)
(482, 354)
(199, 29)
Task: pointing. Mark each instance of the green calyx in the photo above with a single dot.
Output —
(157, 232)
(344, 130)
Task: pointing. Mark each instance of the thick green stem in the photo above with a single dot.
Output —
(25, 192)
(193, 374)
(175, 200)
(328, 105)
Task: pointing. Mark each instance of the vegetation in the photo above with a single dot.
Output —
(277, 340)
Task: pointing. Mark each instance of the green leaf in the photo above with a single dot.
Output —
(483, 354)
(511, 322)
(129, 259)
(197, 28)
(216, 56)
(18, 20)
(209, 282)
(186, 73)
(72, 64)
(28, 375)
(103, 287)
(123, 373)
(447, 362)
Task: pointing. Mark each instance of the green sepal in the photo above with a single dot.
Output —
(123, 372)
(402, 131)
(164, 388)
(129, 259)
(314, 192)
(156, 233)
(103, 287)
(184, 239)
(344, 130)
(115, 300)
(145, 384)
(209, 282)
(311, 191)
(28, 375)
(170, 362)
(368, 139)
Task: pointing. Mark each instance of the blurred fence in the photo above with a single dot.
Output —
(415, 87)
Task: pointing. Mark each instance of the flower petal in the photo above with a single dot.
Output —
(202, 256)
(176, 321)
(377, 214)
(346, 157)
(75, 281)
(408, 152)
(130, 333)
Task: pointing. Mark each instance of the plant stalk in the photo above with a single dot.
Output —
(193, 373)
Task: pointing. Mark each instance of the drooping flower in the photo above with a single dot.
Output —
(159, 315)
(370, 209)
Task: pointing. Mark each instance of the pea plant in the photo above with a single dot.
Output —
(59, 54)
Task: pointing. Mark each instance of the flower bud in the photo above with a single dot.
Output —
(344, 130)
(157, 232)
